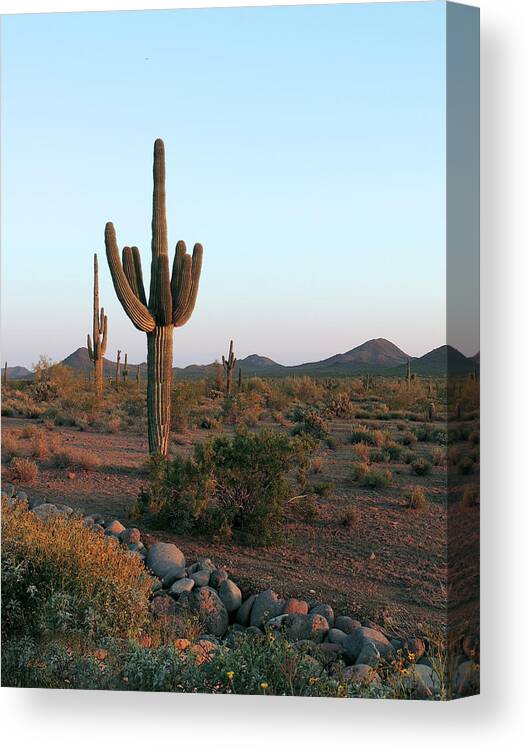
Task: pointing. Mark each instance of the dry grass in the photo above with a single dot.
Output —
(66, 458)
(10, 446)
(361, 451)
(23, 470)
(416, 499)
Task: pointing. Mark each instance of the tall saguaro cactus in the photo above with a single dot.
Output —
(118, 366)
(171, 302)
(97, 348)
(229, 366)
(408, 373)
(125, 371)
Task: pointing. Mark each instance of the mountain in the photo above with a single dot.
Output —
(441, 360)
(372, 353)
(19, 373)
(81, 362)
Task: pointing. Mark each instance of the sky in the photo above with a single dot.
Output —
(305, 149)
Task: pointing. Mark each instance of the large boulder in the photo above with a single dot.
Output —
(422, 681)
(312, 627)
(115, 527)
(200, 577)
(347, 624)
(336, 636)
(163, 556)
(183, 584)
(47, 511)
(361, 675)
(466, 679)
(361, 642)
(295, 607)
(172, 575)
(130, 536)
(267, 605)
(230, 595)
(212, 613)
(217, 577)
(243, 613)
(325, 610)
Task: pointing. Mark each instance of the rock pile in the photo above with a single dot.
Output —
(359, 649)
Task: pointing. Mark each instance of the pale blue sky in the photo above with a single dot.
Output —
(305, 149)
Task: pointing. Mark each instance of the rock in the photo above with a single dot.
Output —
(421, 680)
(354, 644)
(217, 577)
(361, 675)
(346, 624)
(325, 611)
(414, 646)
(203, 651)
(330, 652)
(8, 490)
(200, 577)
(243, 613)
(173, 574)
(114, 527)
(276, 623)
(210, 609)
(466, 679)
(230, 595)
(295, 607)
(192, 568)
(47, 511)
(178, 587)
(22, 496)
(254, 631)
(311, 627)
(130, 536)
(162, 556)
(336, 636)
(204, 563)
(369, 655)
(34, 502)
(135, 547)
(267, 605)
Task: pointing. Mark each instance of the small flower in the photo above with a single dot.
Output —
(341, 690)
(405, 671)
(411, 656)
(312, 680)
(230, 675)
(264, 685)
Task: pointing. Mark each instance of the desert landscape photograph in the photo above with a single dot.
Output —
(240, 433)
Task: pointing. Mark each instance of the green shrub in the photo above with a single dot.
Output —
(416, 499)
(421, 467)
(312, 424)
(231, 486)
(59, 576)
(372, 478)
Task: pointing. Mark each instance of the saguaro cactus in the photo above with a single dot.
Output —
(138, 376)
(5, 374)
(171, 302)
(229, 366)
(97, 348)
(239, 382)
(118, 361)
(408, 373)
(125, 371)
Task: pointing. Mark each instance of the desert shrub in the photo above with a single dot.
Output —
(184, 397)
(331, 442)
(312, 424)
(243, 408)
(349, 518)
(58, 576)
(209, 423)
(361, 434)
(10, 446)
(394, 450)
(231, 486)
(439, 456)
(340, 405)
(23, 470)
(361, 451)
(379, 456)
(416, 499)
(40, 444)
(317, 465)
(323, 489)
(408, 438)
(421, 467)
(28, 432)
(304, 389)
(408, 457)
(65, 458)
(53, 380)
(465, 465)
(370, 477)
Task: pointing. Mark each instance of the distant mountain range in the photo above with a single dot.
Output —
(377, 356)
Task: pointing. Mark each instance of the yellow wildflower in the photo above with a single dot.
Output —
(312, 680)
(230, 675)
(264, 685)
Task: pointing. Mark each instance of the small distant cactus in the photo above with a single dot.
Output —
(138, 376)
(430, 411)
(229, 366)
(118, 367)
(408, 373)
(125, 371)
(5, 374)
(97, 347)
(239, 380)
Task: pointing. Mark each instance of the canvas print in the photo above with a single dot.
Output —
(240, 336)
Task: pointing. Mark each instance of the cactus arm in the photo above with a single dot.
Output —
(160, 301)
(104, 328)
(139, 274)
(129, 270)
(136, 310)
(181, 285)
(196, 268)
(90, 349)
